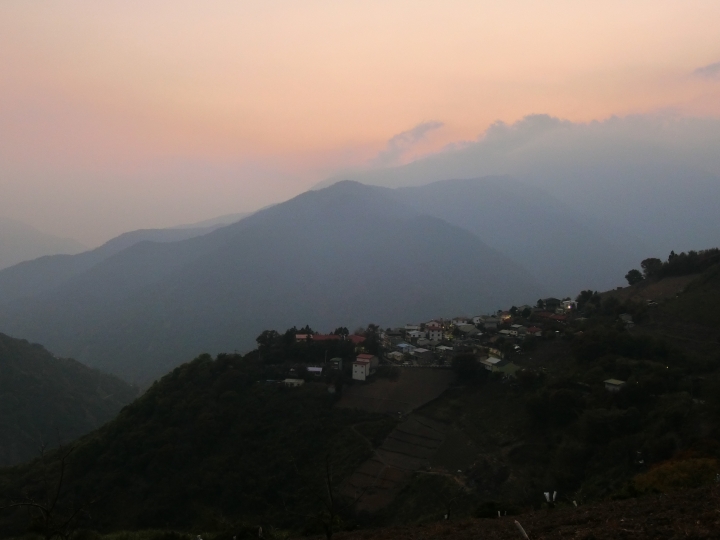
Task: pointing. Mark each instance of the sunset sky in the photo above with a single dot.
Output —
(117, 115)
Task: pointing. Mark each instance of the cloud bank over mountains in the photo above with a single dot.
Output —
(545, 141)
(711, 71)
(651, 182)
(401, 143)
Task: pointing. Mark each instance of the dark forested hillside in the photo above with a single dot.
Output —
(346, 255)
(211, 445)
(43, 398)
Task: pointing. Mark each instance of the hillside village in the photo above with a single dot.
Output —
(610, 395)
(498, 341)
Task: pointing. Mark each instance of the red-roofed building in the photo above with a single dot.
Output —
(435, 333)
(534, 331)
(326, 337)
(357, 340)
(374, 362)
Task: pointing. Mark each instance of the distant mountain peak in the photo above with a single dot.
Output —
(22, 242)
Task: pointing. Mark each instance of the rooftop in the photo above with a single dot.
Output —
(326, 337)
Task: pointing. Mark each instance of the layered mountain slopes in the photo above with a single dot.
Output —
(557, 245)
(349, 254)
(20, 242)
(35, 276)
(43, 398)
(649, 182)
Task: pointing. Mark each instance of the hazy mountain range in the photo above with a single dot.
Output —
(556, 245)
(34, 276)
(345, 255)
(650, 183)
(21, 242)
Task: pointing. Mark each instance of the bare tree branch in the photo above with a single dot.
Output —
(54, 521)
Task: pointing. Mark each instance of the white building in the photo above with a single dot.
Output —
(364, 365)
(434, 334)
(490, 363)
(361, 370)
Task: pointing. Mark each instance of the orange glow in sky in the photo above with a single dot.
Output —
(132, 114)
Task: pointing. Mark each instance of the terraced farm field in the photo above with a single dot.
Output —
(408, 448)
(411, 446)
(415, 387)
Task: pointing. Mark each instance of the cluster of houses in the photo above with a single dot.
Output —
(363, 366)
(436, 342)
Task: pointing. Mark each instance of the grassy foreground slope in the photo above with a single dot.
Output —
(43, 398)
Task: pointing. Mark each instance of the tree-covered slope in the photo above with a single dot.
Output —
(209, 445)
(43, 398)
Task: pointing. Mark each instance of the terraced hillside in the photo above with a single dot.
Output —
(406, 450)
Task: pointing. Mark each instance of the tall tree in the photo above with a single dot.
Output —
(651, 267)
(634, 276)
